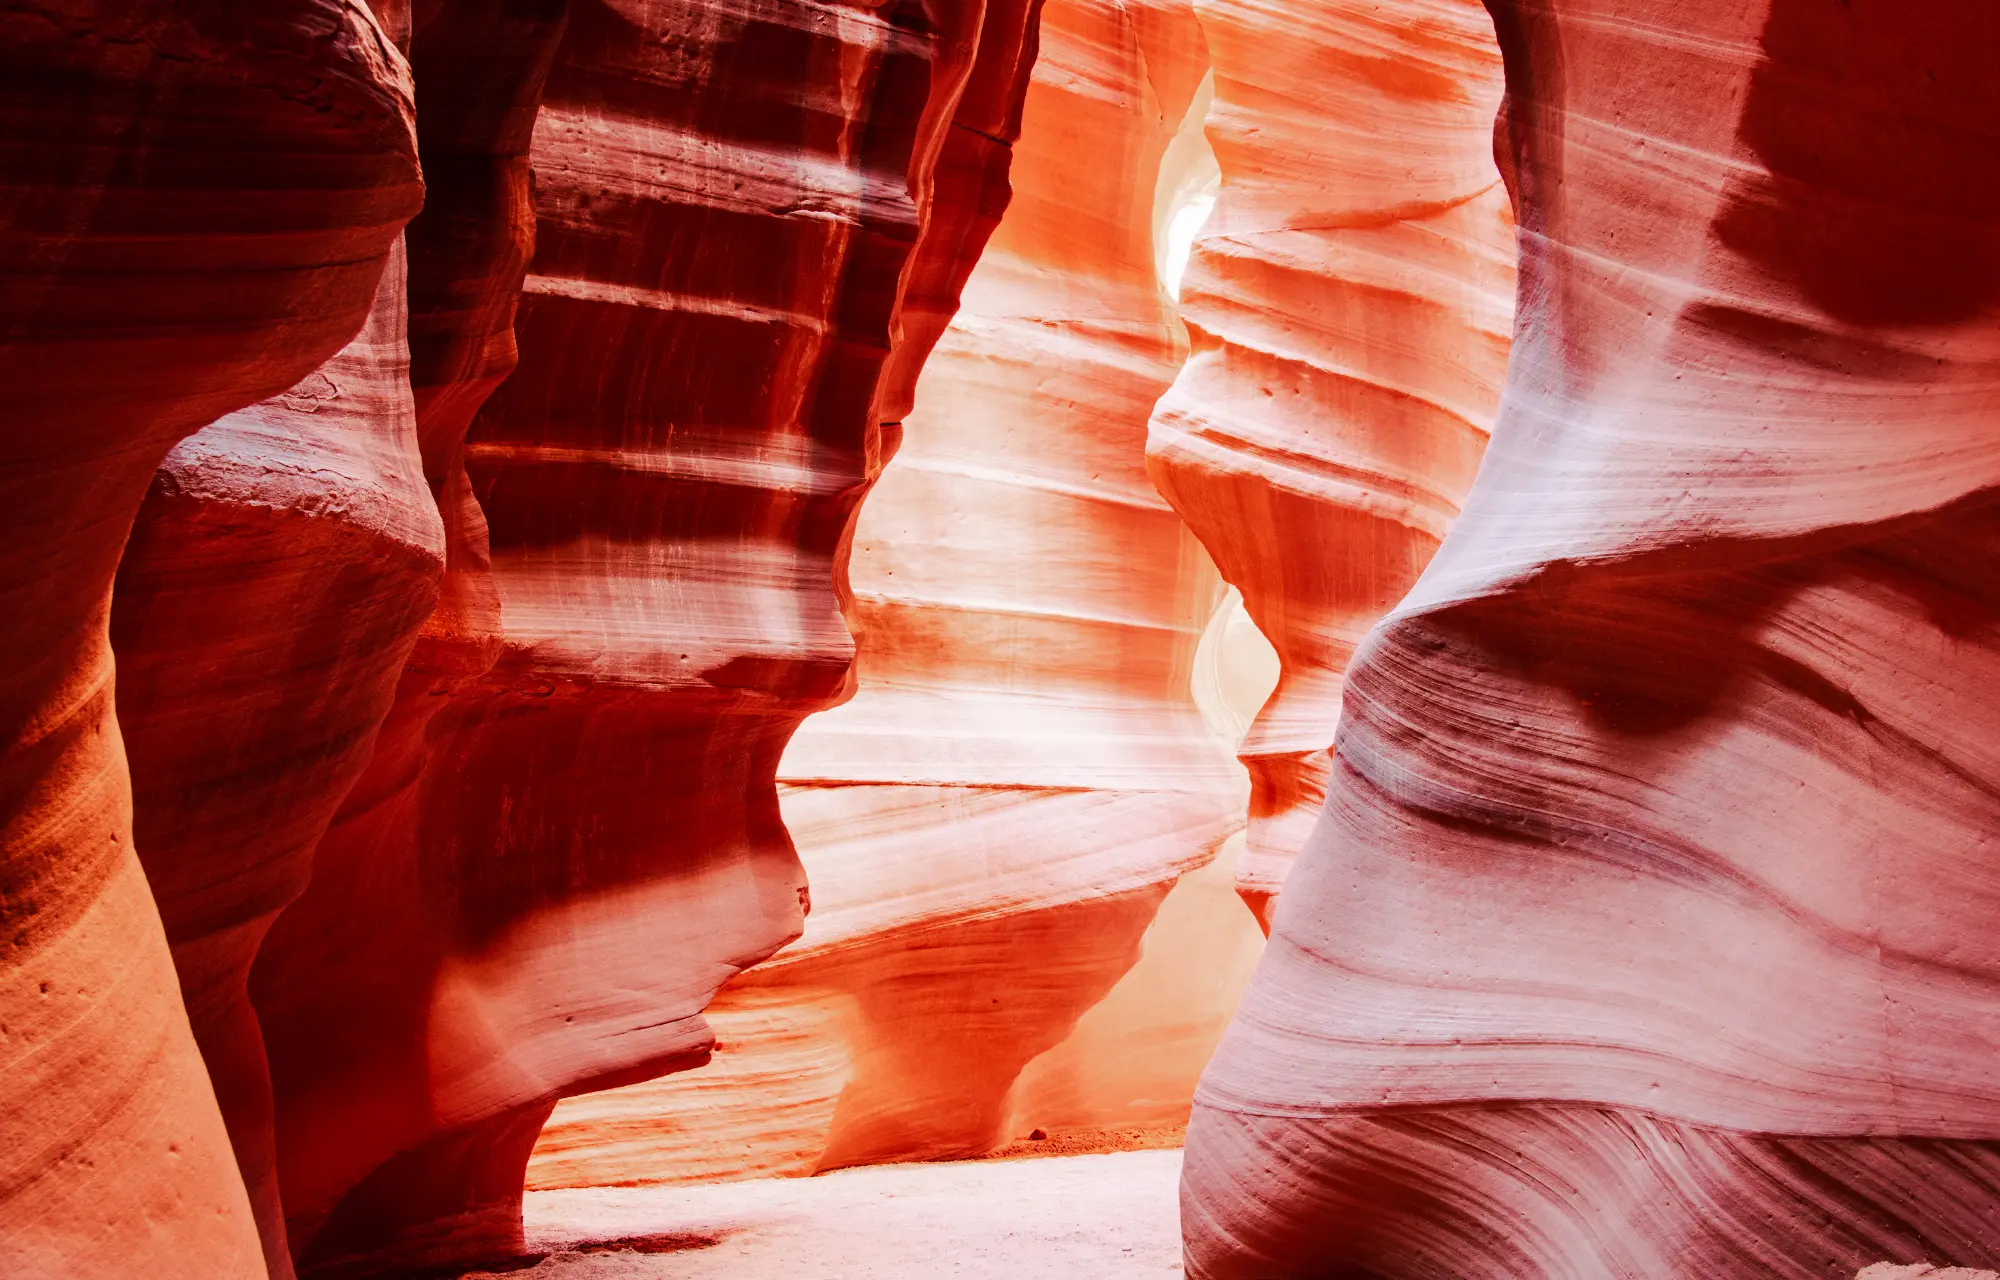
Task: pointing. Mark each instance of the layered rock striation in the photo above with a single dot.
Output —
(287, 555)
(1650, 930)
(568, 836)
(480, 66)
(277, 573)
(990, 825)
(199, 205)
(1348, 301)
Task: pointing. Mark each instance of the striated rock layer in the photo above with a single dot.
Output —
(568, 837)
(1651, 928)
(1348, 302)
(990, 825)
(279, 569)
(479, 67)
(287, 555)
(198, 205)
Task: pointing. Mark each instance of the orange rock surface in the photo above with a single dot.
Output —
(1348, 302)
(480, 67)
(989, 827)
(1653, 928)
(287, 555)
(506, 661)
(198, 205)
(569, 835)
(279, 569)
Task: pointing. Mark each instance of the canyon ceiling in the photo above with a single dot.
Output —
(609, 592)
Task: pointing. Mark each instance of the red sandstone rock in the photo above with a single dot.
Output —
(287, 555)
(569, 837)
(197, 213)
(198, 203)
(1348, 301)
(278, 572)
(990, 825)
(1653, 929)
(479, 67)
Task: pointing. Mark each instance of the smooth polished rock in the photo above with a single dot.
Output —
(196, 206)
(1653, 927)
(1348, 301)
(990, 826)
(569, 837)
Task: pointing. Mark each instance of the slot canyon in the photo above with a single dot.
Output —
(803, 639)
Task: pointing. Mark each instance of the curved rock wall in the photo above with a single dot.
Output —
(199, 203)
(279, 569)
(480, 66)
(287, 555)
(1651, 930)
(569, 835)
(1348, 301)
(990, 825)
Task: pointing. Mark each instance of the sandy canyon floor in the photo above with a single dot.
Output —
(1106, 1217)
(1082, 1217)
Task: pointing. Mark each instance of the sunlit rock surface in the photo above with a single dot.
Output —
(1651, 927)
(1348, 301)
(568, 837)
(196, 206)
(990, 826)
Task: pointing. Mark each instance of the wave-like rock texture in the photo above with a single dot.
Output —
(1349, 301)
(1653, 927)
(479, 67)
(569, 837)
(199, 202)
(287, 555)
(990, 825)
(277, 574)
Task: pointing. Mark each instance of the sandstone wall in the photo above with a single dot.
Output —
(1650, 931)
(278, 571)
(989, 827)
(288, 555)
(1348, 302)
(568, 836)
(198, 206)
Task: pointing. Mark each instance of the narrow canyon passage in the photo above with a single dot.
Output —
(803, 639)
(991, 823)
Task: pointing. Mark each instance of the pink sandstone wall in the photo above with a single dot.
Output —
(1651, 927)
